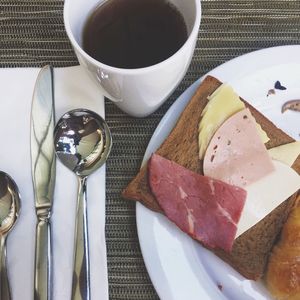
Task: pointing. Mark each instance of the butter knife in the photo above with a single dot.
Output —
(43, 177)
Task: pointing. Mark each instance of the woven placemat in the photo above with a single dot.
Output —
(32, 34)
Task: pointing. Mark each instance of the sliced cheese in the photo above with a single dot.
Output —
(266, 194)
(287, 153)
(263, 135)
(236, 154)
(222, 104)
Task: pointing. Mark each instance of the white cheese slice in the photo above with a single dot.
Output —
(265, 195)
(287, 153)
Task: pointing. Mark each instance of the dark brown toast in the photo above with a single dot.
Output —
(251, 250)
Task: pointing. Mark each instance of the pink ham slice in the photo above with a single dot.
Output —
(205, 208)
(236, 153)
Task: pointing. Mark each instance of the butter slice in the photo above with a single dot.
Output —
(266, 194)
(222, 104)
(287, 153)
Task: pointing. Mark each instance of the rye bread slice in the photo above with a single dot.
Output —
(251, 250)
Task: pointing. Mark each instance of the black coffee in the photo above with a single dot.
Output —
(134, 33)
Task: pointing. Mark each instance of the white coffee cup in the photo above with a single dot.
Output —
(138, 92)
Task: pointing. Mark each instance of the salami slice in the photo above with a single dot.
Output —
(206, 209)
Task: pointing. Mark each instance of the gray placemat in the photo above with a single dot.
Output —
(32, 34)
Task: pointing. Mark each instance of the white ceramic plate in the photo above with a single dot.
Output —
(179, 267)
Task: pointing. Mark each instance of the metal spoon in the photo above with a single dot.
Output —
(9, 212)
(82, 142)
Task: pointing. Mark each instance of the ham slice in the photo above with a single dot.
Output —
(206, 209)
(236, 153)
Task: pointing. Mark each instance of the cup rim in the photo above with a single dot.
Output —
(98, 64)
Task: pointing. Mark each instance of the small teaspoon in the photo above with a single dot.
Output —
(82, 142)
(9, 213)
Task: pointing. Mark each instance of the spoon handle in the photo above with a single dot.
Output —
(81, 273)
(4, 284)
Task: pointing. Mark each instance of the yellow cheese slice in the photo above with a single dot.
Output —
(222, 104)
(265, 195)
(263, 135)
(287, 153)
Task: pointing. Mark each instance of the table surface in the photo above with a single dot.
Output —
(32, 34)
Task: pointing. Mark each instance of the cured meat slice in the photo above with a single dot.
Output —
(236, 153)
(205, 208)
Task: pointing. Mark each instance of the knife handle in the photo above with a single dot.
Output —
(4, 284)
(81, 272)
(43, 259)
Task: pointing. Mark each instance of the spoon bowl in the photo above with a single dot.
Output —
(9, 213)
(82, 142)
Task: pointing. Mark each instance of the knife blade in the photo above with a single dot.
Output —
(43, 168)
